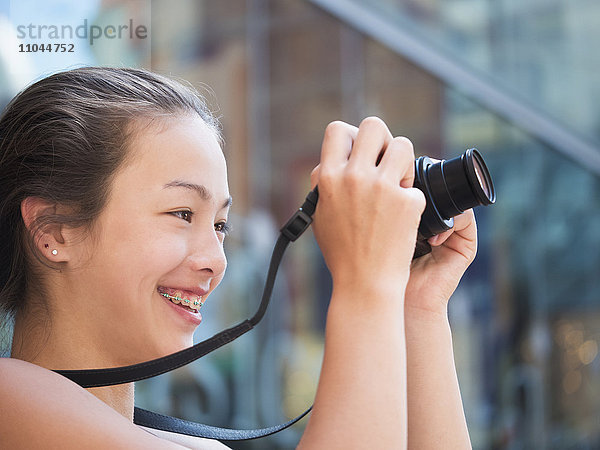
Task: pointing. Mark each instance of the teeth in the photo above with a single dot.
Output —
(178, 298)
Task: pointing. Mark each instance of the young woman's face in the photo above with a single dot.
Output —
(156, 251)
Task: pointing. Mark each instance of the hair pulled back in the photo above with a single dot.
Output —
(62, 139)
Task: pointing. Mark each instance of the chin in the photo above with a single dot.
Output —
(176, 345)
(161, 349)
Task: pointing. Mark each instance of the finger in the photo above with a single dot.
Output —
(462, 224)
(372, 139)
(314, 177)
(337, 143)
(439, 239)
(465, 227)
(398, 162)
(464, 220)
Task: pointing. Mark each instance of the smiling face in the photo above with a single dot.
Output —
(156, 251)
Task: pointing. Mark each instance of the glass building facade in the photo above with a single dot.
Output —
(518, 80)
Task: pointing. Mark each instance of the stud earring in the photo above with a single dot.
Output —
(45, 245)
(54, 252)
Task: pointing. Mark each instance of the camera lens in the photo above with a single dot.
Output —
(481, 180)
(451, 187)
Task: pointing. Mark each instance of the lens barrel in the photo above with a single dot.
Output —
(450, 187)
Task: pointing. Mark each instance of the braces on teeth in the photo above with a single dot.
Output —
(186, 301)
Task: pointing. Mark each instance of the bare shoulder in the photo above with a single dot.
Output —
(41, 409)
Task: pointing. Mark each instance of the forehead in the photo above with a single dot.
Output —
(178, 148)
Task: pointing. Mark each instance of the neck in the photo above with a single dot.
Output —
(34, 341)
(119, 397)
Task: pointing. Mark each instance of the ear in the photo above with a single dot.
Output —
(48, 239)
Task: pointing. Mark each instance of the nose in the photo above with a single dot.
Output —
(207, 254)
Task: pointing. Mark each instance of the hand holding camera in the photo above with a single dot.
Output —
(368, 210)
(367, 179)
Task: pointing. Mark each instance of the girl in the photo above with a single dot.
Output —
(113, 210)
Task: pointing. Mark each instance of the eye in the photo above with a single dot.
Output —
(223, 227)
(184, 214)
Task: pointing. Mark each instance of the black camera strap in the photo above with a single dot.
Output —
(157, 421)
(291, 231)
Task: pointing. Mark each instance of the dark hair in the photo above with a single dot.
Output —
(62, 139)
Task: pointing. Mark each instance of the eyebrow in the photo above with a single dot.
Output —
(201, 190)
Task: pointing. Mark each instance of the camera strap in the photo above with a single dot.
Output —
(291, 231)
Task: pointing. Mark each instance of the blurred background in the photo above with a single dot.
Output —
(516, 79)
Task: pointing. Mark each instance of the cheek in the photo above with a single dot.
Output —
(144, 257)
(160, 256)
